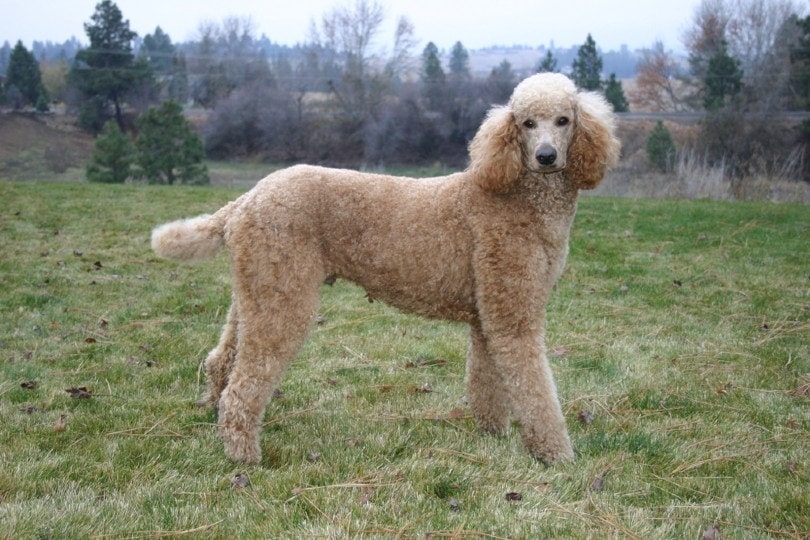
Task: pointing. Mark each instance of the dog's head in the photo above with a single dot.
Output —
(547, 127)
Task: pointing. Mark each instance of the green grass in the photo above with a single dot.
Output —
(679, 331)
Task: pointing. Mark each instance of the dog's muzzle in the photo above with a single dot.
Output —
(546, 155)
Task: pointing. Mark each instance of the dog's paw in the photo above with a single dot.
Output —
(550, 448)
(242, 449)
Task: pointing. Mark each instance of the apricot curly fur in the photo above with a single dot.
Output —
(496, 236)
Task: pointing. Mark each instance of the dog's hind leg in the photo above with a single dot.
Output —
(277, 301)
(219, 362)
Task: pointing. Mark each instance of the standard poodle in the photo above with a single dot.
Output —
(484, 246)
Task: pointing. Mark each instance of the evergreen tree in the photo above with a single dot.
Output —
(178, 85)
(800, 66)
(459, 62)
(587, 67)
(614, 93)
(501, 82)
(549, 64)
(23, 74)
(5, 54)
(158, 51)
(723, 80)
(107, 70)
(168, 150)
(433, 77)
(661, 148)
(111, 162)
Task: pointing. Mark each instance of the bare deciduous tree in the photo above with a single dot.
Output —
(656, 81)
(754, 33)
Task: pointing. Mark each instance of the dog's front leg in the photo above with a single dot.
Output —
(486, 394)
(514, 282)
(527, 379)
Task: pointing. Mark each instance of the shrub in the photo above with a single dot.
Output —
(111, 162)
(168, 149)
(661, 148)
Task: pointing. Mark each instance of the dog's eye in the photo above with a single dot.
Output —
(529, 124)
(563, 121)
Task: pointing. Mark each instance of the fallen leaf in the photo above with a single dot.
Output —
(559, 352)
(792, 468)
(29, 385)
(61, 423)
(711, 533)
(79, 393)
(802, 390)
(457, 414)
(585, 417)
(365, 495)
(514, 496)
(90, 340)
(240, 481)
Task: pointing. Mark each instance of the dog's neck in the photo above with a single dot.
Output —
(551, 193)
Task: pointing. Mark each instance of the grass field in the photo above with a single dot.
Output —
(679, 336)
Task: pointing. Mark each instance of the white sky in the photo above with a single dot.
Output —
(476, 23)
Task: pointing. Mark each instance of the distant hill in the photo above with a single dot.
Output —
(523, 58)
(41, 146)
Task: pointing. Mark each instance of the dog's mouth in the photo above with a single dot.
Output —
(549, 169)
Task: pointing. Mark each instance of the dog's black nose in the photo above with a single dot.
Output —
(546, 155)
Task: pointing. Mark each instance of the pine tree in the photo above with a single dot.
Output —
(723, 80)
(111, 162)
(501, 82)
(800, 66)
(24, 75)
(459, 62)
(549, 64)
(168, 150)
(587, 67)
(661, 148)
(433, 78)
(158, 50)
(107, 70)
(614, 93)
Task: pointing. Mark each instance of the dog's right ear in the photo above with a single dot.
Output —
(496, 155)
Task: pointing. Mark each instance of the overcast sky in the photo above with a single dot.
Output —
(476, 23)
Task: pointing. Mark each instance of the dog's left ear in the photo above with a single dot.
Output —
(496, 158)
(594, 147)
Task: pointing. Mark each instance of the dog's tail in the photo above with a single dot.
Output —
(192, 239)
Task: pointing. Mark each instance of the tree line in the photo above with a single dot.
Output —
(335, 100)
